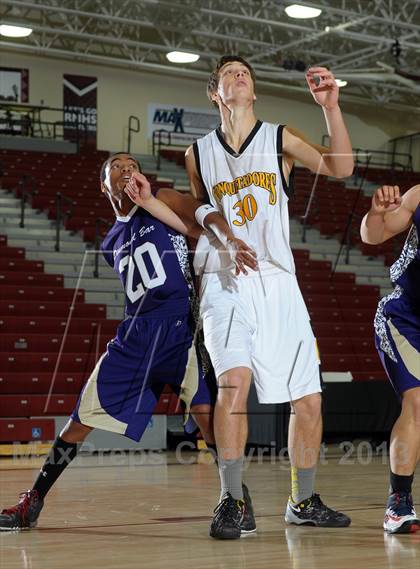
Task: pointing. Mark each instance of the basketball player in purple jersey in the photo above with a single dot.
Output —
(153, 345)
(397, 335)
(257, 326)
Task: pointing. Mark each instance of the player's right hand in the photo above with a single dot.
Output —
(386, 199)
(138, 188)
(242, 255)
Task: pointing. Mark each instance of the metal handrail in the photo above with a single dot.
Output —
(407, 137)
(393, 164)
(24, 193)
(157, 143)
(308, 208)
(32, 125)
(26, 107)
(358, 178)
(81, 127)
(99, 221)
(48, 129)
(131, 129)
(346, 240)
(59, 198)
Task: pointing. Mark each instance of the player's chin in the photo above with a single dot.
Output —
(119, 193)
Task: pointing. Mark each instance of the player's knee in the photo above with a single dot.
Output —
(75, 432)
(309, 407)
(232, 392)
(235, 383)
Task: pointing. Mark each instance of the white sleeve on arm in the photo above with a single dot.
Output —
(202, 212)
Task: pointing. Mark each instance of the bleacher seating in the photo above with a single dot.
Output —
(404, 180)
(75, 176)
(34, 306)
(18, 429)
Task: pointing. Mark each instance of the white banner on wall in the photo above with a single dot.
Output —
(185, 124)
(14, 88)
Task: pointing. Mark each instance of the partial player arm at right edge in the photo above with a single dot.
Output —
(389, 214)
(209, 218)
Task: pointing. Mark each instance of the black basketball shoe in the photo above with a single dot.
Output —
(24, 515)
(313, 512)
(248, 523)
(228, 519)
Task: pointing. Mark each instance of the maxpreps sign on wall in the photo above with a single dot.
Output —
(184, 124)
(79, 101)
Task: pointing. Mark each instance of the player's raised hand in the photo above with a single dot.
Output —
(325, 91)
(386, 199)
(138, 188)
(242, 255)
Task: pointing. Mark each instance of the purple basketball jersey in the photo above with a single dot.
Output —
(152, 263)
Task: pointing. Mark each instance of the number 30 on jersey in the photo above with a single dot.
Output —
(247, 210)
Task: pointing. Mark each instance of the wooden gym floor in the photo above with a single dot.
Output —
(135, 511)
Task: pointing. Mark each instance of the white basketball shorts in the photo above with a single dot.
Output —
(260, 321)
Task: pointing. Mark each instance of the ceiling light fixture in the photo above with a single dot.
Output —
(341, 82)
(182, 57)
(14, 31)
(302, 12)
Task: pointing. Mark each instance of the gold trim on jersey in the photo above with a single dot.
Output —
(91, 413)
(265, 180)
(190, 383)
(408, 353)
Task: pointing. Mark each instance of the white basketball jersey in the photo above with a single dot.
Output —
(249, 189)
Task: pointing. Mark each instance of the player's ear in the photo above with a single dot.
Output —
(215, 98)
(104, 189)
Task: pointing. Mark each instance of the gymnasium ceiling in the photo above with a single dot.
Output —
(355, 38)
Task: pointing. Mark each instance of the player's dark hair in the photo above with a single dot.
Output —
(106, 162)
(213, 81)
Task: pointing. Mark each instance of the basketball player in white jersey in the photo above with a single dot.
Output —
(255, 322)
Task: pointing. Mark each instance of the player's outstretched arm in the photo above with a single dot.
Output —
(242, 255)
(389, 214)
(139, 191)
(184, 206)
(337, 159)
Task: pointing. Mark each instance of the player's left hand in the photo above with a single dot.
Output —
(138, 188)
(242, 255)
(326, 91)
